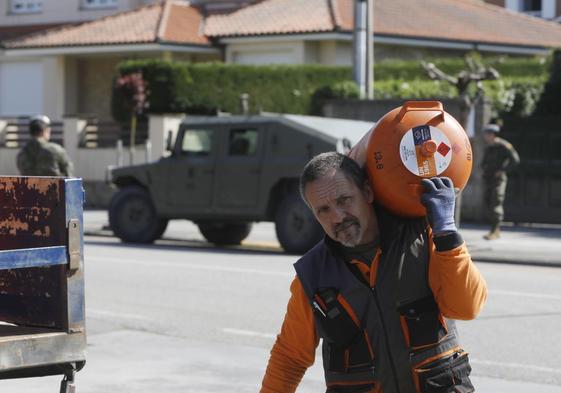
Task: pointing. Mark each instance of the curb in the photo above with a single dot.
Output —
(483, 258)
(504, 261)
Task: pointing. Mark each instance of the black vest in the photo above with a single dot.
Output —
(392, 336)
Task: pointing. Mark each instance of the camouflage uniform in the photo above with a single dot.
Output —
(40, 157)
(497, 159)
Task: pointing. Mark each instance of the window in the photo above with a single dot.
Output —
(26, 6)
(243, 142)
(94, 4)
(197, 143)
(532, 5)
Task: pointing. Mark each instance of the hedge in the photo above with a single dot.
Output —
(207, 87)
(507, 67)
(204, 88)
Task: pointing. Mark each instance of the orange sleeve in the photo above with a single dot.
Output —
(457, 285)
(295, 347)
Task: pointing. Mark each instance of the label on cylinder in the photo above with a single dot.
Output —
(415, 156)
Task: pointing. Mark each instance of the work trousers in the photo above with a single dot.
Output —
(493, 199)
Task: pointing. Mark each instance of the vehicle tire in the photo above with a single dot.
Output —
(133, 218)
(297, 228)
(225, 234)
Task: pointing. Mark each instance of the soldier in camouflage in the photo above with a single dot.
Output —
(39, 157)
(499, 157)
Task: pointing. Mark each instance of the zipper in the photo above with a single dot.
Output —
(374, 293)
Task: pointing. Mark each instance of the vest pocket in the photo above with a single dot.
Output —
(445, 375)
(347, 345)
(422, 323)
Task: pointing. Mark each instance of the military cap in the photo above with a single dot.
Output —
(494, 128)
(41, 120)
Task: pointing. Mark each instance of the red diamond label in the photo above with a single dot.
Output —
(443, 149)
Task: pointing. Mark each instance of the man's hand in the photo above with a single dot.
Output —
(439, 199)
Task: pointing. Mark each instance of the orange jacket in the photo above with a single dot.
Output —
(456, 283)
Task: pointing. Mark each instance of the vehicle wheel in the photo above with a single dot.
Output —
(225, 234)
(297, 228)
(133, 218)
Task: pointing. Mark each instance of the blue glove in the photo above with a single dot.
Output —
(439, 199)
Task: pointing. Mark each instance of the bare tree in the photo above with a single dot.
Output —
(475, 73)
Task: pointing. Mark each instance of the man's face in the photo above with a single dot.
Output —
(344, 211)
(47, 133)
(489, 137)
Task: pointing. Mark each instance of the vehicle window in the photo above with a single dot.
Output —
(243, 142)
(197, 142)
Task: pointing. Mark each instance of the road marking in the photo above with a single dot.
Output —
(517, 365)
(105, 313)
(525, 294)
(248, 333)
(186, 265)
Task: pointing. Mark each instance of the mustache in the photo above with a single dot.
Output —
(346, 223)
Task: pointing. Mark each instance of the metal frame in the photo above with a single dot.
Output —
(55, 346)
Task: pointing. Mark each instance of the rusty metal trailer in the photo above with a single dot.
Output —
(42, 312)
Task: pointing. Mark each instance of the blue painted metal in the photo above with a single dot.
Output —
(33, 257)
(74, 197)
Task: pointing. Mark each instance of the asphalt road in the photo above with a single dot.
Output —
(180, 316)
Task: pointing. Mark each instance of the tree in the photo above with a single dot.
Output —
(134, 91)
(474, 74)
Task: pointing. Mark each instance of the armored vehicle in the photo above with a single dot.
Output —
(226, 172)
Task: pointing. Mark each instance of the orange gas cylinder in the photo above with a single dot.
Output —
(415, 141)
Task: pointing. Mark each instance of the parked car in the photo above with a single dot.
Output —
(227, 172)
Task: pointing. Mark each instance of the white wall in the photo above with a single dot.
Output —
(281, 52)
(21, 88)
(329, 52)
(31, 86)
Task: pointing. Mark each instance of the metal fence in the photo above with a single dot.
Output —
(103, 133)
(534, 189)
(15, 132)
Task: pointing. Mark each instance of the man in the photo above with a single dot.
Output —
(378, 290)
(499, 156)
(39, 157)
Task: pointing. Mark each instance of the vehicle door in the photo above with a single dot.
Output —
(240, 163)
(191, 169)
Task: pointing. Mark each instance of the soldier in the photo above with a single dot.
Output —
(499, 157)
(39, 157)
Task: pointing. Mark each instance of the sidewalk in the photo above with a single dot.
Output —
(525, 245)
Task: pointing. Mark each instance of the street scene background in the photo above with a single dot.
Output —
(184, 316)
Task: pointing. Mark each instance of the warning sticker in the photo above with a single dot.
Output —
(411, 151)
(443, 149)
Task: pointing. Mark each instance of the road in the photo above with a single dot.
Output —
(181, 316)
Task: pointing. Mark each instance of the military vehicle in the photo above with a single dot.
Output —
(226, 172)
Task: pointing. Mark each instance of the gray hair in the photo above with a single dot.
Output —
(323, 163)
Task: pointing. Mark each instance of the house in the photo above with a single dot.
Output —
(68, 69)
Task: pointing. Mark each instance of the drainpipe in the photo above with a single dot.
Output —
(363, 47)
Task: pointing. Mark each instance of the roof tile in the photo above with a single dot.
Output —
(458, 20)
(162, 22)
(273, 17)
